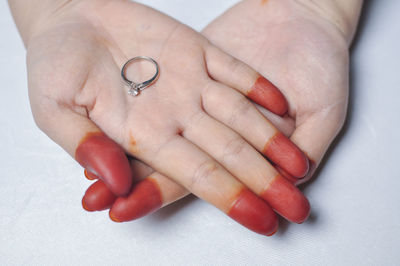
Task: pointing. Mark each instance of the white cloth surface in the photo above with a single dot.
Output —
(355, 198)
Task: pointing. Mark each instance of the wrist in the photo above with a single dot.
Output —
(28, 15)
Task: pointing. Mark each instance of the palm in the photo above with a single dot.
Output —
(84, 54)
(302, 53)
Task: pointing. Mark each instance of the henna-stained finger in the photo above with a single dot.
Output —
(105, 159)
(244, 118)
(240, 76)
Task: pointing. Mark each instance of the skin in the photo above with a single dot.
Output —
(302, 47)
(112, 162)
(98, 197)
(176, 126)
(265, 94)
(144, 198)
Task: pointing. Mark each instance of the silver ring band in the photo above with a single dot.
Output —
(135, 88)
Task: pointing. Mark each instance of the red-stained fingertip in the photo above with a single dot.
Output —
(268, 95)
(99, 154)
(283, 152)
(273, 233)
(289, 177)
(113, 218)
(254, 213)
(298, 181)
(144, 199)
(98, 197)
(287, 200)
(84, 206)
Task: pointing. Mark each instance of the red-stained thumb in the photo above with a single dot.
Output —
(107, 160)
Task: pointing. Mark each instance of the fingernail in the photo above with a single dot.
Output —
(114, 218)
(90, 175)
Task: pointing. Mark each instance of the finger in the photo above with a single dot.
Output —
(83, 140)
(314, 137)
(289, 177)
(240, 115)
(103, 157)
(249, 166)
(98, 197)
(143, 198)
(140, 170)
(284, 124)
(147, 196)
(236, 74)
(200, 174)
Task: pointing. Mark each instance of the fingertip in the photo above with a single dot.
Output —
(113, 217)
(273, 233)
(85, 206)
(304, 211)
(294, 180)
(287, 200)
(286, 175)
(98, 197)
(301, 165)
(101, 155)
(283, 152)
(253, 213)
(299, 181)
(266, 94)
(144, 199)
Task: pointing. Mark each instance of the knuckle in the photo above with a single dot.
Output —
(204, 172)
(233, 148)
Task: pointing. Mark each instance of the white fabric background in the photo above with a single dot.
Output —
(355, 198)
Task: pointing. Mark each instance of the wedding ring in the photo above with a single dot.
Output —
(136, 88)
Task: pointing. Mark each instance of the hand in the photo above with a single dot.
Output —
(177, 126)
(305, 54)
(297, 48)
